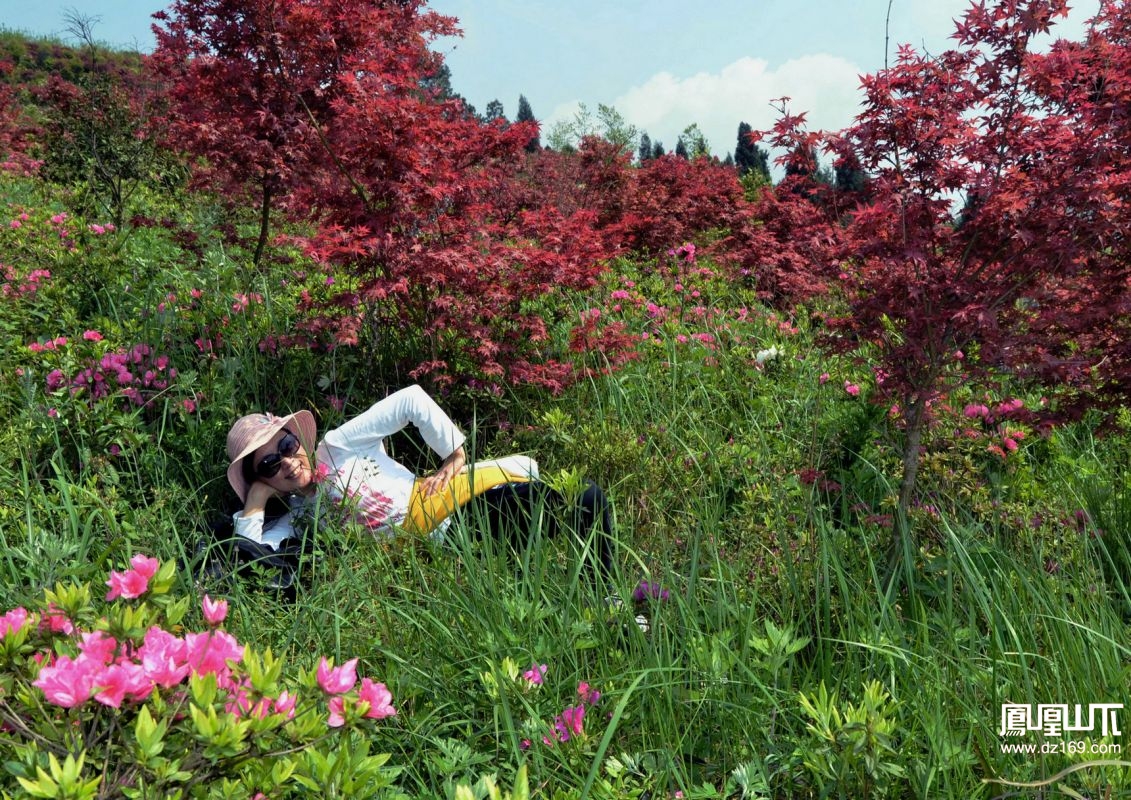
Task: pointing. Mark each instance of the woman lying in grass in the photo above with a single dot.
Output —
(277, 457)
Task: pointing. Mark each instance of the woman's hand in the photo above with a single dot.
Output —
(438, 481)
(257, 496)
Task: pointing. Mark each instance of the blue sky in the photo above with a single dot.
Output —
(662, 63)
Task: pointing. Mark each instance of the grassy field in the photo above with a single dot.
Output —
(791, 653)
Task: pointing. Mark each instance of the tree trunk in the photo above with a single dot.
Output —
(264, 222)
(915, 420)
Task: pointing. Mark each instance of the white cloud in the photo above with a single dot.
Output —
(826, 86)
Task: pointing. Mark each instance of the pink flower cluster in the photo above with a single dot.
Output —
(571, 722)
(14, 285)
(1010, 438)
(136, 372)
(113, 672)
(373, 701)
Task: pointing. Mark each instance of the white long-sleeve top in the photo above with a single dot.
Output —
(359, 472)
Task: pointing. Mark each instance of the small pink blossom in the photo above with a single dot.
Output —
(92, 336)
(535, 675)
(321, 472)
(823, 379)
(285, 704)
(337, 717)
(215, 611)
(588, 695)
(851, 388)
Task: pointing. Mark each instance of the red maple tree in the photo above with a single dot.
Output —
(993, 223)
(328, 108)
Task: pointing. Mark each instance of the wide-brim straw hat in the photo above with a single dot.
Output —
(255, 430)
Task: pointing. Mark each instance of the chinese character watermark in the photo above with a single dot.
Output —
(1054, 719)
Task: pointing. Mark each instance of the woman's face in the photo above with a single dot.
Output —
(294, 473)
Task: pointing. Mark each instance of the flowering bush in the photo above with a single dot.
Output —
(567, 725)
(114, 700)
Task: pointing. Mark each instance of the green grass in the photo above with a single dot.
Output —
(790, 660)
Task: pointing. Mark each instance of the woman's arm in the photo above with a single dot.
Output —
(410, 405)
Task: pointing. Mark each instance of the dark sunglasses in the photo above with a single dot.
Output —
(269, 465)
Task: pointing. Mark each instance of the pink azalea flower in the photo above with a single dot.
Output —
(285, 704)
(99, 647)
(129, 585)
(164, 657)
(210, 652)
(55, 620)
(13, 621)
(214, 610)
(145, 565)
(337, 680)
(114, 683)
(851, 388)
(92, 336)
(379, 698)
(973, 410)
(66, 683)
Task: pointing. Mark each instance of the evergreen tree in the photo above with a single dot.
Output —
(494, 111)
(526, 114)
(440, 82)
(645, 153)
(848, 175)
(749, 157)
(657, 149)
(728, 161)
(681, 148)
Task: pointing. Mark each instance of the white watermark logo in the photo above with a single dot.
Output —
(1054, 719)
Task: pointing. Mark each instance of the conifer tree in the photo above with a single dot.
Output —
(526, 114)
(645, 153)
(749, 157)
(494, 111)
